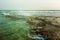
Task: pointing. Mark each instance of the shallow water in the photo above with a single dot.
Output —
(16, 27)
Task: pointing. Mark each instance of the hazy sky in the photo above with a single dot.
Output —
(30, 4)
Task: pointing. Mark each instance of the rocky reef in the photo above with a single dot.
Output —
(29, 27)
(47, 26)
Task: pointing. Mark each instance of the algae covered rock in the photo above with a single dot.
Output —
(13, 30)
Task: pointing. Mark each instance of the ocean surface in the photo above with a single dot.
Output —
(33, 12)
(17, 29)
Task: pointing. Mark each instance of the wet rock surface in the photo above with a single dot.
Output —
(49, 27)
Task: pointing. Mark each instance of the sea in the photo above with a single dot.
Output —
(17, 29)
(32, 12)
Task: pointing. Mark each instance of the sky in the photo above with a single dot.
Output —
(29, 4)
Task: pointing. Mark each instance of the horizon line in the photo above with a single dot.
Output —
(28, 10)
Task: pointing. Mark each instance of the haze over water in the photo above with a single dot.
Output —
(32, 12)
